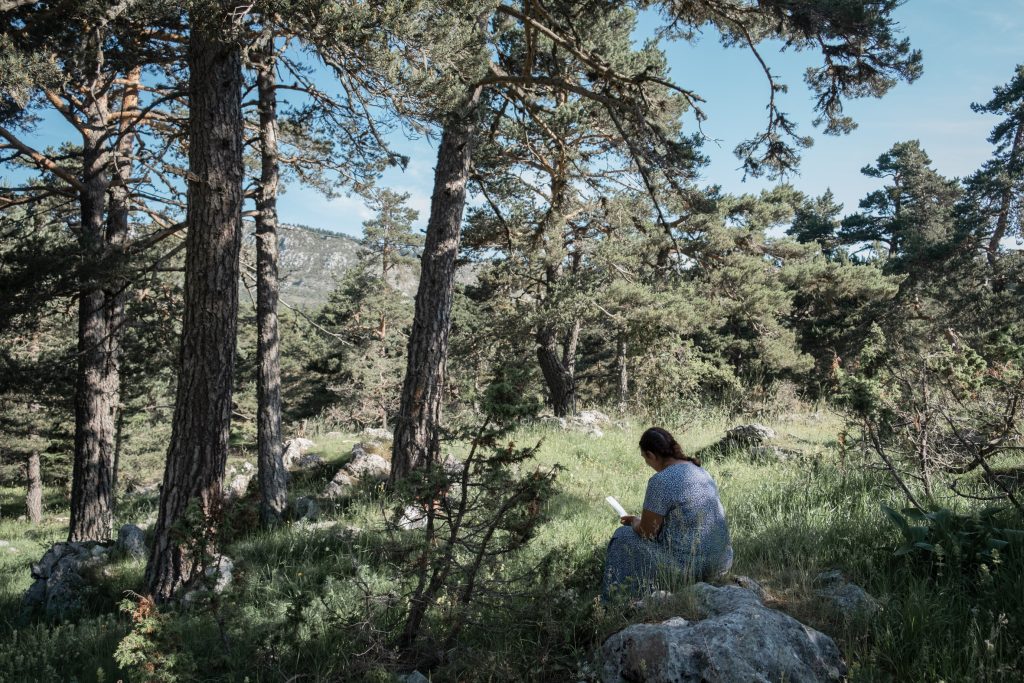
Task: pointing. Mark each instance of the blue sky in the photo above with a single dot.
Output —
(969, 46)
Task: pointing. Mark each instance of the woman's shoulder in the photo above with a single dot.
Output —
(679, 471)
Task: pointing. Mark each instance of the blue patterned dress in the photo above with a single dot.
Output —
(693, 540)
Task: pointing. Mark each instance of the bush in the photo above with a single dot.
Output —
(970, 546)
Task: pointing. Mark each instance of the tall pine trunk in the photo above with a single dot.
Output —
(419, 414)
(273, 479)
(34, 489)
(194, 473)
(97, 381)
(118, 217)
(621, 361)
(559, 381)
(557, 368)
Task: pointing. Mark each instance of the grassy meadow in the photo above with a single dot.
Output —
(321, 601)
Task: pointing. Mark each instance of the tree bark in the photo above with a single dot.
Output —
(557, 368)
(194, 473)
(105, 176)
(273, 479)
(558, 379)
(97, 380)
(623, 375)
(34, 495)
(419, 415)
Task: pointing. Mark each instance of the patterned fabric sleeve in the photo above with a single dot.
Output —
(659, 498)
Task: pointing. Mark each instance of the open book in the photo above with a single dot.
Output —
(615, 506)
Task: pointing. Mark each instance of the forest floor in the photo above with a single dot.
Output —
(315, 602)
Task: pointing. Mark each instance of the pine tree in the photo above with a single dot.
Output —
(193, 476)
(997, 189)
(912, 216)
(862, 56)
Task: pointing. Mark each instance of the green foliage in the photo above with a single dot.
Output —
(969, 546)
(152, 650)
(46, 653)
(479, 515)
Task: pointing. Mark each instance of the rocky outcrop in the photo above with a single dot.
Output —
(217, 578)
(305, 509)
(736, 638)
(376, 435)
(61, 577)
(362, 466)
(755, 440)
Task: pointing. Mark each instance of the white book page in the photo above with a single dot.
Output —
(615, 506)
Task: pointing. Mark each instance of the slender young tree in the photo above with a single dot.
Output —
(273, 479)
(194, 472)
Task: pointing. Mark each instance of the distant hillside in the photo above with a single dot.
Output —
(312, 261)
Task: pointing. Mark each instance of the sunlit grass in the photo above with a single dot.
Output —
(322, 600)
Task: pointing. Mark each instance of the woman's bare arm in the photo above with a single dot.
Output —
(647, 525)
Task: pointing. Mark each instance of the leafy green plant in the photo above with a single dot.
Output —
(151, 650)
(975, 545)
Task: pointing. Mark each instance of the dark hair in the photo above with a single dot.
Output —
(662, 444)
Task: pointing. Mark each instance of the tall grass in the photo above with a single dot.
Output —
(322, 601)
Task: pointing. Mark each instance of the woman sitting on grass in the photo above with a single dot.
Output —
(682, 529)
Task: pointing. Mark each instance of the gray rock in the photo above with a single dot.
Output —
(305, 508)
(376, 435)
(294, 449)
(220, 573)
(367, 466)
(751, 434)
(414, 677)
(340, 486)
(750, 585)
(591, 418)
(131, 540)
(739, 639)
(62, 577)
(238, 485)
(307, 462)
(412, 517)
(846, 598)
(361, 467)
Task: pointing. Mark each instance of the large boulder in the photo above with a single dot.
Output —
(736, 638)
(367, 466)
(62, 576)
(217, 578)
(756, 440)
(305, 509)
(588, 422)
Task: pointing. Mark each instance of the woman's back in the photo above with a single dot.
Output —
(694, 530)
